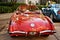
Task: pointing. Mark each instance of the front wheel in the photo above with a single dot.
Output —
(45, 35)
(11, 35)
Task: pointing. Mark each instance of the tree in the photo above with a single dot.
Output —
(3, 0)
(0, 0)
(29, 2)
(14, 1)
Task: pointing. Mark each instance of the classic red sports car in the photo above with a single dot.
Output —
(28, 20)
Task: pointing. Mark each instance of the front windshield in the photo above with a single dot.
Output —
(32, 8)
(28, 7)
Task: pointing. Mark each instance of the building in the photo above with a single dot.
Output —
(22, 1)
(27, 1)
(33, 1)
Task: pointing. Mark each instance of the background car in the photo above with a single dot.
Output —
(31, 22)
(53, 11)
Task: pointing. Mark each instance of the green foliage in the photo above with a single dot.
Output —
(37, 3)
(9, 7)
(10, 3)
(29, 2)
(4, 9)
(41, 6)
(6, 4)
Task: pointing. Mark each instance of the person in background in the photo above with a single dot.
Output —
(50, 2)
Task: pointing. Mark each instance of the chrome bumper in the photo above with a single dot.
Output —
(18, 32)
(48, 31)
(39, 32)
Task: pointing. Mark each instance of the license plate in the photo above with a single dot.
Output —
(32, 33)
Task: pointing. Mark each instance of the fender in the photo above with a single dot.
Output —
(50, 22)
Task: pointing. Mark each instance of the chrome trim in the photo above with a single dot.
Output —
(18, 32)
(46, 31)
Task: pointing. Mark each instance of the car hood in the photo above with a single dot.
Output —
(56, 9)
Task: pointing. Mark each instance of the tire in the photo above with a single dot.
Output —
(10, 35)
(45, 35)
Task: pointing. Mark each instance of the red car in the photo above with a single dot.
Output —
(27, 20)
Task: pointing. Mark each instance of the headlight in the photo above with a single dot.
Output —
(32, 25)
